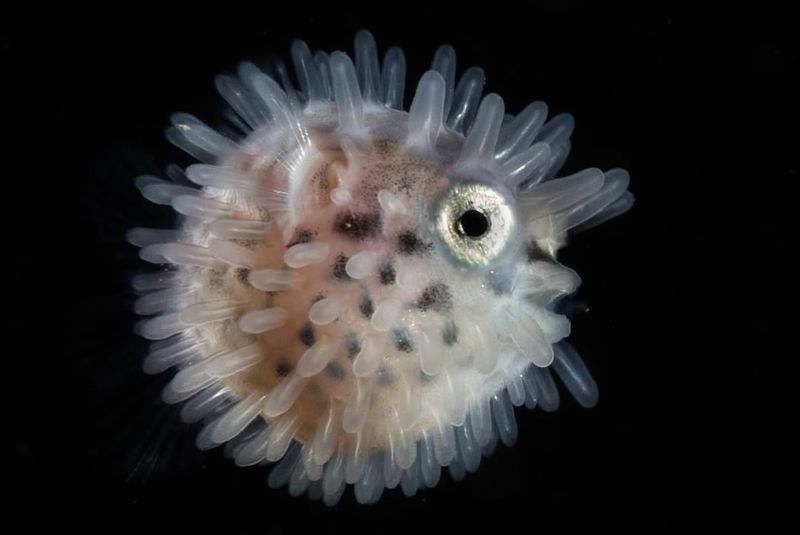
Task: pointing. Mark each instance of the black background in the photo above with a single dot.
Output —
(690, 293)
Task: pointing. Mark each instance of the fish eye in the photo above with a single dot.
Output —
(475, 222)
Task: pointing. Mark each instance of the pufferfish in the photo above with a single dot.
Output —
(362, 293)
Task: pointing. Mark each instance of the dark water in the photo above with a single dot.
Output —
(690, 293)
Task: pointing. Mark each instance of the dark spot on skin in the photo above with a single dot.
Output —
(322, 181)
(436, 297)
(353, 345)
(335, 371)
(283, 368)
(405, 180)
(357, 226)
(366, 306)
(247, 244)
(402, 340)
(387, 274)
(241, 276)
(409, 244)
(385, 376)
(307, 335)
(449, 333)
(383, 146)
(499, 284)
(536, 253)
(339, 268)
(216, 280)
(316, 298)
(301, 236)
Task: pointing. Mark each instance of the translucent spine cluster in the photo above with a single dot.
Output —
(250, 315)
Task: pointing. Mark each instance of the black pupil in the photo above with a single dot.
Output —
(473, 224)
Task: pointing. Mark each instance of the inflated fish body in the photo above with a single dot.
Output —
(361, 292)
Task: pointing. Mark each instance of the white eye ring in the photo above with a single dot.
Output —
(475, 222)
